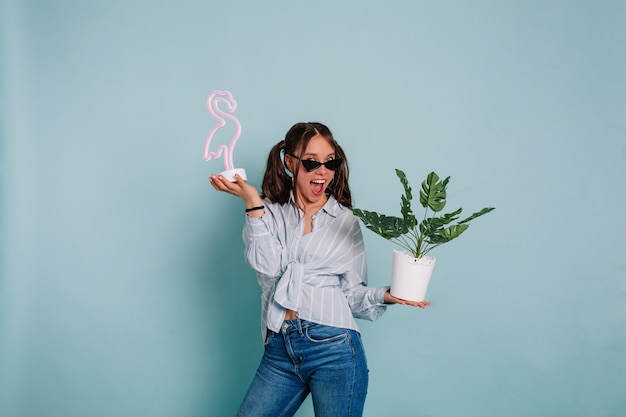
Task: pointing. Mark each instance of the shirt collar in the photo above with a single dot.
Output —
(331, 207)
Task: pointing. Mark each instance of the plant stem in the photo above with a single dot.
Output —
(420, 239)
(402, 244)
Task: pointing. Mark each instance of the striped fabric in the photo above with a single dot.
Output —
(322, 275)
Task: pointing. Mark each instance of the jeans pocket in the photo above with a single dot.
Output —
(318, 333)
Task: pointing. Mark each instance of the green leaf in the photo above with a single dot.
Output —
(405, 206)
(448, 234)
(447, 218)
(433, 192)
(388, 227)
(477, 214)
(405, 184)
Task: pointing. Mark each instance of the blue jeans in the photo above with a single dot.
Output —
(328, 362)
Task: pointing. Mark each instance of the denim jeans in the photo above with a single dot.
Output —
(327, 362)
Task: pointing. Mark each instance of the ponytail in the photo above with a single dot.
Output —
(276, 184)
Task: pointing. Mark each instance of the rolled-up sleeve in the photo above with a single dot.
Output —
(263, 250)
(365, 302)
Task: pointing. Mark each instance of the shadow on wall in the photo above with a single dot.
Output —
(230, 298)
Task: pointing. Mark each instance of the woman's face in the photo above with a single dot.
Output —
(311, 186)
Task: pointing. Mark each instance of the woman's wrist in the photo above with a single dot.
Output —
(256, 211)
(254, 208)
(388, 298)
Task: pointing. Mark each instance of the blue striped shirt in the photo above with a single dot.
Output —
(322, 275)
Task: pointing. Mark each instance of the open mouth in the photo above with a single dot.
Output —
(317, 186)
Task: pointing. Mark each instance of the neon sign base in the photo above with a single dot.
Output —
(230, 174)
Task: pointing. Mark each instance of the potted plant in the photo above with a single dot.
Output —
(412, 268)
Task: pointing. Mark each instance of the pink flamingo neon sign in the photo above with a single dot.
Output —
(213, 102)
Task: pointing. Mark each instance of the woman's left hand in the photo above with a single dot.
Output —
(390, 299)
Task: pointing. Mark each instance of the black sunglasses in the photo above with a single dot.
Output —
(311, 165)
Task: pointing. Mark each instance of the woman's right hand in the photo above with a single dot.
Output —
(240, 188)
(390, 299)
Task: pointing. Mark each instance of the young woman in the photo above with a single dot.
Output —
(307, 249)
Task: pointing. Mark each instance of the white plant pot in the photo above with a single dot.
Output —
(230, 174)
(410, 276)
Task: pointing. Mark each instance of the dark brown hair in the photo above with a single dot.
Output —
(277, 183)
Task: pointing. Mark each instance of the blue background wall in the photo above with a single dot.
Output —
(123, 289)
